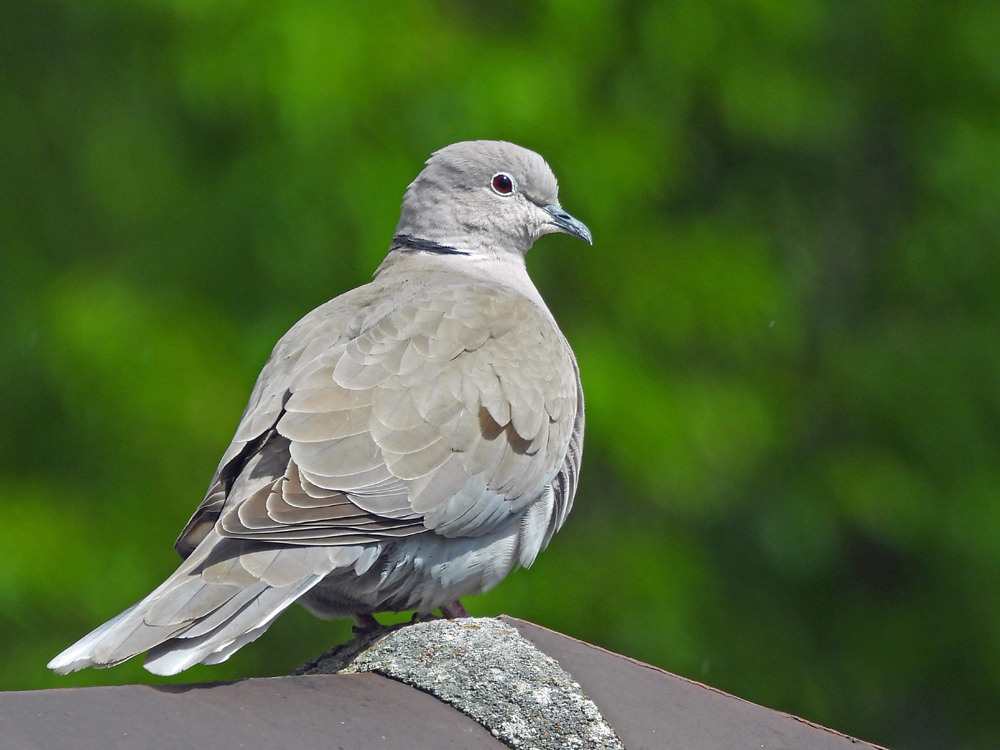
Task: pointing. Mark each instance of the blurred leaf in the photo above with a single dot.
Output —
(787, 327)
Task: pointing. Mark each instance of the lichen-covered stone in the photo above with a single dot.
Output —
(488, 671)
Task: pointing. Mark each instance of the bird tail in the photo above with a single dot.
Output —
(225, 595)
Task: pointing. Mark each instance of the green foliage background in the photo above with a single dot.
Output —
(788, 326)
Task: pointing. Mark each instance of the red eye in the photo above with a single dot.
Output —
(503, 183)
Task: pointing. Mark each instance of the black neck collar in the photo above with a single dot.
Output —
(410, 243)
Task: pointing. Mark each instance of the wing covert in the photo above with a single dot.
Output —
(450, 412)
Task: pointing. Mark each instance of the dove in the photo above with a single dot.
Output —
(407, 444)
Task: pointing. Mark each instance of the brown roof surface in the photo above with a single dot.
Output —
(649, 708)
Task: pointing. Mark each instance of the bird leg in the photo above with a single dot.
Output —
(365, 623)
(454, 610)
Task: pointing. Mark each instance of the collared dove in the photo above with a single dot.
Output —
(407, 444)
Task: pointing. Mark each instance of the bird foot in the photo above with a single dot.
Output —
(454, 611)
(365, 624)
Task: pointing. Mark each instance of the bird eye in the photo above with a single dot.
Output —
(503, 183)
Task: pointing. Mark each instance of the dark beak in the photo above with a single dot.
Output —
(568, 224)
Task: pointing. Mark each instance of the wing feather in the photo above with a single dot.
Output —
(446, 412)
(317, 427)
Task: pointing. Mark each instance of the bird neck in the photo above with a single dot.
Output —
(502, 268)
(409, 243)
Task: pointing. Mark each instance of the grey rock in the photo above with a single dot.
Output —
(488, 671)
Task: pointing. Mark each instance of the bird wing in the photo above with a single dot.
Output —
(445, 405)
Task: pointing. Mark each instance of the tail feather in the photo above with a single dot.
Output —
(189, 600)
(246, 626)
(81, 654)
(217, 657)
(170, 659)
(205, 611)
(225, 613)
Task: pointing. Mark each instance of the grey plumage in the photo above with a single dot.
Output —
(407, 443)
